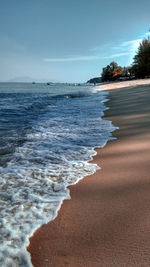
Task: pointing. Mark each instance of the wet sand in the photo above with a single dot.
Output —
(107, 220)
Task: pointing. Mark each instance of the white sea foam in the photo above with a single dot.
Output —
(56, 153)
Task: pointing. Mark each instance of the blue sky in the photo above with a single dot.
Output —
(68, 40)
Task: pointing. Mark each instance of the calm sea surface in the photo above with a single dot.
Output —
(47, 138)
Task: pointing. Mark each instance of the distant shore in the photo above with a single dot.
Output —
(107, 220)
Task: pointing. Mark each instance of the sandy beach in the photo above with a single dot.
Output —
(107, 220)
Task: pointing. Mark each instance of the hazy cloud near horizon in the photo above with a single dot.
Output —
(68, 40)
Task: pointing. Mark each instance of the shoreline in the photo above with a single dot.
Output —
(60, 242)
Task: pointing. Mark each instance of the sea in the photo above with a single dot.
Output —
(48, 134)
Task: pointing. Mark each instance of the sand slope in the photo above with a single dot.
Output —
(107, 220)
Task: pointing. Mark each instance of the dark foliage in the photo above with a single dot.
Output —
(141, 64)
(112, 72)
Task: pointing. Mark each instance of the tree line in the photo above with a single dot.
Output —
(140, 67)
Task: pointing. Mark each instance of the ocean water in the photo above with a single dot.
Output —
(47, 138)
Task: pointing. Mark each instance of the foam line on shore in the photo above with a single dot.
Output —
(102, 225)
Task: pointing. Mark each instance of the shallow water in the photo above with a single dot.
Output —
(47, 138)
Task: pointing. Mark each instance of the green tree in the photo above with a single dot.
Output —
(111, 72)
(141, 61)
(106, 74)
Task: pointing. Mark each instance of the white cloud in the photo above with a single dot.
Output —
(125, 48)
(131, 47)
(83, 58)
(117, 55)
(71, 58)
(100, 48)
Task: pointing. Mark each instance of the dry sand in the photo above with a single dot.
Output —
(107, 220)
(115, 85)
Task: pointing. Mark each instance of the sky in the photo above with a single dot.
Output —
(68, 40)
